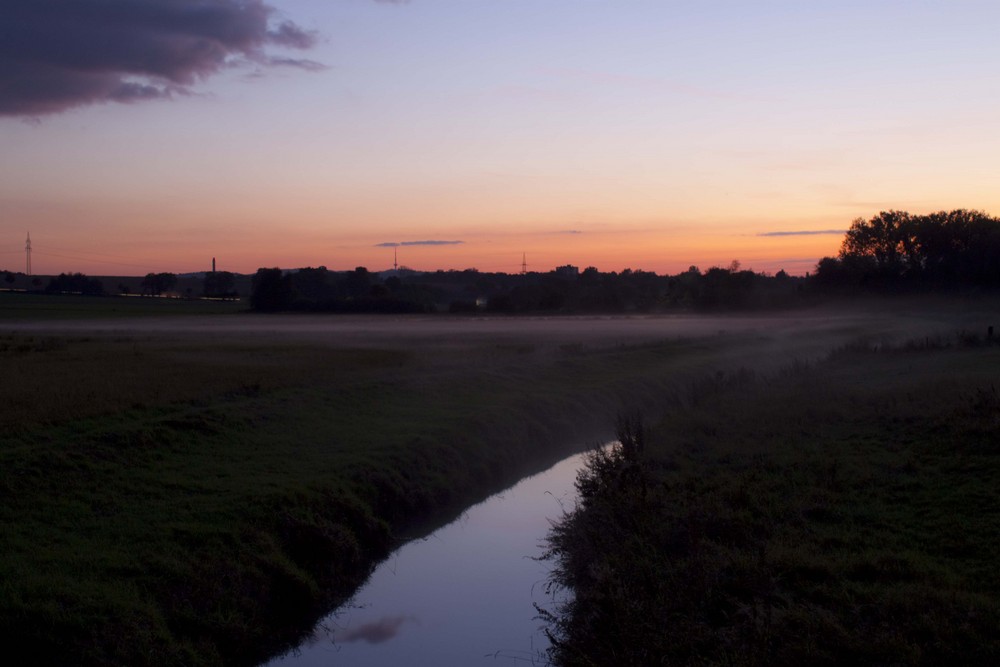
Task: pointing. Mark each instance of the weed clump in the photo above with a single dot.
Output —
(615, 468)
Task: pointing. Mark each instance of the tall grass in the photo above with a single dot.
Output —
(845, 513)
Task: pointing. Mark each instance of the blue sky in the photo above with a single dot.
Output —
(662, 134)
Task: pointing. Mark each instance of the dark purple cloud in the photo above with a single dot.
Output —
(59, 54)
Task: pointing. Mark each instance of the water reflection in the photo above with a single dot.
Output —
(380, 631)
(462, 596)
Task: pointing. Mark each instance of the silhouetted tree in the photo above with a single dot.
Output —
(394, 284)
(830, 272)
(74, 282)
(156, 284)
(312, 285)
(895, 249)
(726, 288)
(358, 282)
(960, 247)
(219, 284)
(270, 290)
(887, 238)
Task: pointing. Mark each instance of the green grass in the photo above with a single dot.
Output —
(173, 500)
(842, 513)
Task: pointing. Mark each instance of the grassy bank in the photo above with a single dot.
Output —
(844, 512)
(200, 500)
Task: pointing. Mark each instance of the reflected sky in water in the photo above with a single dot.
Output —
(462, 596)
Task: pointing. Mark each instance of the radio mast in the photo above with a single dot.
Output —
(524, 263)
(27, 255)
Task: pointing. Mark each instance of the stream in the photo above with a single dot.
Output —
(462, 596)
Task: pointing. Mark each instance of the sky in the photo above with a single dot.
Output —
(154, 135)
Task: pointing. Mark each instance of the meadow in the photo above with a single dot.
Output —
(837, 512)
(197, 488)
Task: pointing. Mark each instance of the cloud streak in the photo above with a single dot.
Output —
(392, 244)
(60, 54)
(804, 232)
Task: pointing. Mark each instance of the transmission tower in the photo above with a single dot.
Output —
(27, 255)
(524, 263)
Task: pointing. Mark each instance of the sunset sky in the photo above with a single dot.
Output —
(153, 135)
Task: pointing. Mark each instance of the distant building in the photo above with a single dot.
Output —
(569, 271)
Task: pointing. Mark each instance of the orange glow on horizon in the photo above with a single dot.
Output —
(662, 252)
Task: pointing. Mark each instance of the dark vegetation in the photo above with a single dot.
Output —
(564, 290)
(155, 284)
(897, 251)
(74, 282)
(220, 285)
(318, 289)
(844, 513)
(211, 284)
(893, 252)
(31, 306)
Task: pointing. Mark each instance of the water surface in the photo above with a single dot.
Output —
(462, 596)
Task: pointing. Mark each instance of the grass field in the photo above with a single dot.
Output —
(843, 512)
(192, 488)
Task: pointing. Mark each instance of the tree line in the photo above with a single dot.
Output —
(216, 284)
(898, 251)
(894, 251)
(565, 289)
